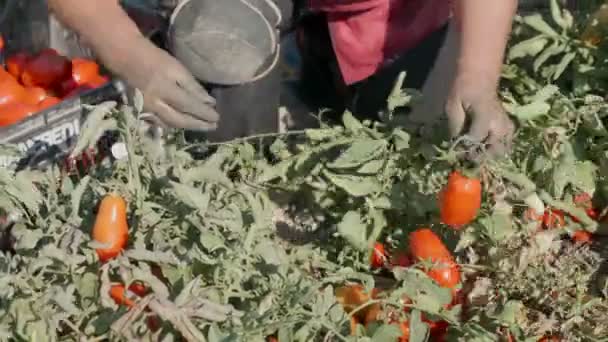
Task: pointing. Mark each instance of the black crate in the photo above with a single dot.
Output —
(49, 136)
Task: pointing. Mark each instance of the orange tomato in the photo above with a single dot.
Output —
(405, 331)
(582, 236)
(35, 95)
(553, 219)
(460, 200)
(11, 91)
(121, 296)
(111, 227)
(446, 274)
(16, 63)
(378, 256)
(1, 43)
(353, 325)
(46, 70)
(84, 70)
(426, 245)
(48, 102)
(351, 296)
(14, 112)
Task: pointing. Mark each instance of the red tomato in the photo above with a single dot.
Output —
(35, 95)
(138, 288)
(46, 70)
(12, 113)
(11, 91)
(447, 275)
(551, 338)
(582, 236)
(16, 63)
(48, 102)
(438, 330)
(1, 43)
(121, 296)
(553, 219)
(378, 256)
(84, 70)
(66, 86)
(583, 200)
(426, 245)
(460, 200)
(48, 52)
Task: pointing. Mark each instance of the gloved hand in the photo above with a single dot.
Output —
(472, 98)
(170, 91)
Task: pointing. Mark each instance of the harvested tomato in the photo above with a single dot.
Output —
(16, 63)
(11, 91)
(66, 86)
(446, 274)
(84, 70)
(378, 256)
(121, 296)
(48, 102)
(35, 95)
(426, 245)
(48, 52)
(111, 227)
(460, 200)
(46, 70)
(582, 236)
(12, 113)
(553, 219)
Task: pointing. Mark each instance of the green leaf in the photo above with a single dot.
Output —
(531, 111)
(353, 229)
(563, 64)
(371, 168)
(510, 312)
(426, 293)
(76, 195)
(95, 126)
(529, 47)
(401, 140)
(191, 196)
(351, 123)
(419, 331)
(555, 49)
(360, 152)
(387, 332)
(537, 22)
(354, 185)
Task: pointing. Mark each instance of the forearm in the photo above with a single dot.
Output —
(484, 27)
(102, 24)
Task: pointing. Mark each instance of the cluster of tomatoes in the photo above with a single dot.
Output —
(554, 218)
(31, 83)
(426, 252)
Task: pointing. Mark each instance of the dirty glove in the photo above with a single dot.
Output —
(170, 91)
(475, 100)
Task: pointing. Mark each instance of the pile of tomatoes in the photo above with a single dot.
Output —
(31, 83)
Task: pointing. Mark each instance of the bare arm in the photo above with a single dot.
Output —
(103, 24)
(484, 28)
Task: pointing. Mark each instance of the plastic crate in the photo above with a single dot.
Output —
(49, 135)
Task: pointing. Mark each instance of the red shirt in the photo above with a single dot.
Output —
(367, 33)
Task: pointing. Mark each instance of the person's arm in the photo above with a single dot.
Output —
(484, 28)
(103, 25)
